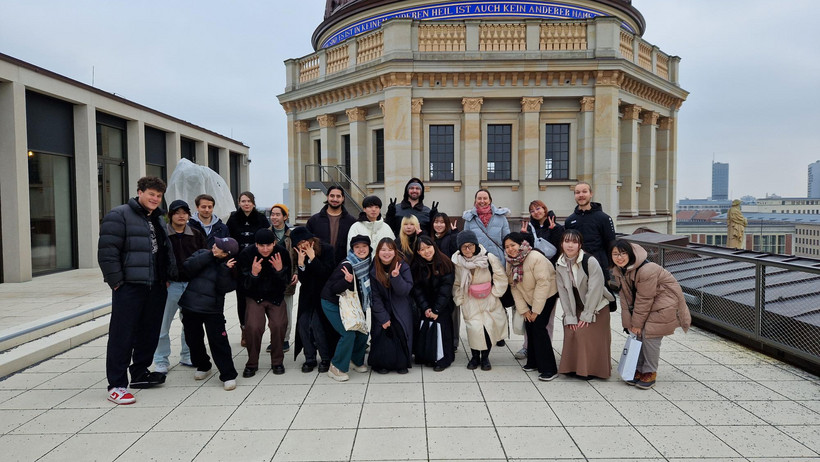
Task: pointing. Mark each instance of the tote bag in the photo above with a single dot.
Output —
(629, 358)
(350, 310)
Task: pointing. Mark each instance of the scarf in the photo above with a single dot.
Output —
(465, 266)
(361, 268)
(517, 262)
(484, 214)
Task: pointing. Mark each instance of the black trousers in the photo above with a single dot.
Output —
(241, 304)
(133, 332)
(312, 332)
(214, 324)
(539, 348)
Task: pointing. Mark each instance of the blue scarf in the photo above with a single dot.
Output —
(361, 268)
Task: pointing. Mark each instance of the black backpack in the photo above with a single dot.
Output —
(613, 305)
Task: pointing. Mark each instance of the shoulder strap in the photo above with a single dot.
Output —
(585, 263)
(481, 227)
(632, 287)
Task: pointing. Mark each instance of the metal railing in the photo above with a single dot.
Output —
(321, 177)
(767, 301)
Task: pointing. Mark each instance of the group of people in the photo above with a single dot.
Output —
(414, 276)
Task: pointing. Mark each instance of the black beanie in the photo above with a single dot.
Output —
(264, 236)
(299, 234)
(466, 237)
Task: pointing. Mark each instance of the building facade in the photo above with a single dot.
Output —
(70, 152)
(814, 181)
(720, 181)
(794, 205)
(524, 98)
(807, 239)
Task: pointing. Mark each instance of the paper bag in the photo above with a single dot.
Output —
(629, 358)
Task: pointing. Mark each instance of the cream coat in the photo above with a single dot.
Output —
(375, 230)
(590, 288)
(659, 306)
(487, 313)
(537, 285)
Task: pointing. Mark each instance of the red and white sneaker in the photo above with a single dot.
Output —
(120, 395)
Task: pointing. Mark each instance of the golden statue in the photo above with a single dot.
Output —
(736, 226)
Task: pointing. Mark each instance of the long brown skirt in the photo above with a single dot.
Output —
(586, 351)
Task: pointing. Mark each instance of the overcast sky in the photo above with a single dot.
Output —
(751, 66)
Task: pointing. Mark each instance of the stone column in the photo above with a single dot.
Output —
(646, 197)
(672, 159)
(529, 151)
(173, 152)
(420, 170)
(85, 163)
(14, 208)
(472, 164)
(135, 132)
(359, 159)
(327, 135)
(663, 201)
(224, 164)
(298, 157)
(397, 135)
(605, 151)
(201, 149)
(628, 196)
(586, 138)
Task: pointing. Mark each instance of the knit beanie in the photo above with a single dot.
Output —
(264, 236)
(466, 237)
(299, 234)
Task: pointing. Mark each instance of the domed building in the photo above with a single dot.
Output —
(522, 97)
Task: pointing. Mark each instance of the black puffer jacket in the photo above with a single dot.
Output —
(243, 227)
(395, 214)
(210, 280)
(319, 226)
(269, 284)
(124, 249)
(597, 229)
(435, 293)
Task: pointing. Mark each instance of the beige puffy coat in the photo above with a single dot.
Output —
(658, 306)
(590, 288)
(537, 284)
(486, 313)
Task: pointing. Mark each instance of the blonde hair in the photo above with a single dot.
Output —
(406, 245)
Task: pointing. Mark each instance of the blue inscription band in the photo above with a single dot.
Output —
(471, 10)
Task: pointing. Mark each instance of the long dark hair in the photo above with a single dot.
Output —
(382, 270)
(447, 224)
(623, 246)
(439, 266)
(572, 235)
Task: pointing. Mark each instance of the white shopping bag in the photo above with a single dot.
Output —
(629, 358)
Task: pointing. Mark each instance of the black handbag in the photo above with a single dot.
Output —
(425, 344)
(389, 349)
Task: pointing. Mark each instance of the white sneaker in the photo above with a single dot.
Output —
(363, 368)
(201, 375)
(120, 395)
(229, 385)
(161, 368)
(337, 375)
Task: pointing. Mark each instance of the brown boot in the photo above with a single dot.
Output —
(647, 380)
(635, 380)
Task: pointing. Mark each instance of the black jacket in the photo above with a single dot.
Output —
(319, 226)
(124, 250)
(597, 229)
(210, 280)
(435, 293)
(448, 243)
(337, 284)
(552, 235)
(269, 284)
(184, 245)
(218, 229)
(313, 279)
(395, 214)
(243, 228)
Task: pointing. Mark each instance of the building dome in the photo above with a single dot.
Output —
(348, 18)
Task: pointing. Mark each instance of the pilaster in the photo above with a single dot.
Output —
(173, 152)
(530, 171)
(224, 164)
(646, 197)
(605, 154)
(135, 132)
(471, 160)
(358, 145)
(327, 135)
(663, 200)
(417, 140)
(14, 208)
(397, 138)
(301, 155)
(628, 195)
(586, 139)
(85, 164)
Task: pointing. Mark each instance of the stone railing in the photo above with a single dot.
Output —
(563, 36)
(442, 37)
(532, 39)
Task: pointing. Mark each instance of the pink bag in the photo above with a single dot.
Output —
(481, 290)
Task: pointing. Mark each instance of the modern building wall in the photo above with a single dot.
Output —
(807, 240)
(69, 152)
(814, 181)
(522, 107)
(799, 205)
(720, 181)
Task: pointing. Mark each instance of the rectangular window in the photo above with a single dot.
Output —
(236, 165)
(188, 149)
(346, 152)
(378, 138)
(213, 158)
(442, 152)
(317, 150)
(499, 152)
(556, 165)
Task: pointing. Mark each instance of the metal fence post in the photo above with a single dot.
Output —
(760, 298)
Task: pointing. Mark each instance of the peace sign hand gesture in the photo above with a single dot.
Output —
(454, 224)
(551, 219)
(395, 272)
(524, 224)
(348, 275)
(276, 262)
(256, 267)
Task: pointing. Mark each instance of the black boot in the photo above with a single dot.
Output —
(485, 360)
(475, 360)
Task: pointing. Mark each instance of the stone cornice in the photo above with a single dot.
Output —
(472, 105)
(609, 78)
(357, 114)
(642, 90)
(631, 112)
(326, 121)
(415, 105)
(396, 79)
(531, 104)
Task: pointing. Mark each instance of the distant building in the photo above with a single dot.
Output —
(774, 204)
(807, 239)
(814, 181)
(721, 206)
(720, 181)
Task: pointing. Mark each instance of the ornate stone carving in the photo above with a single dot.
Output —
(587, 104)
(609, 78)
(531, 104)
(472, 104)
(326, 121)
(649, 118)
(301, 126)
(631, 112)
(666, 123)
(415, 105)
(357, 114)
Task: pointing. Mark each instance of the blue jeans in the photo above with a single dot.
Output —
(352, 344)
(164, 346)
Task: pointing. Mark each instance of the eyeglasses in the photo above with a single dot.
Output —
(619, 255)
